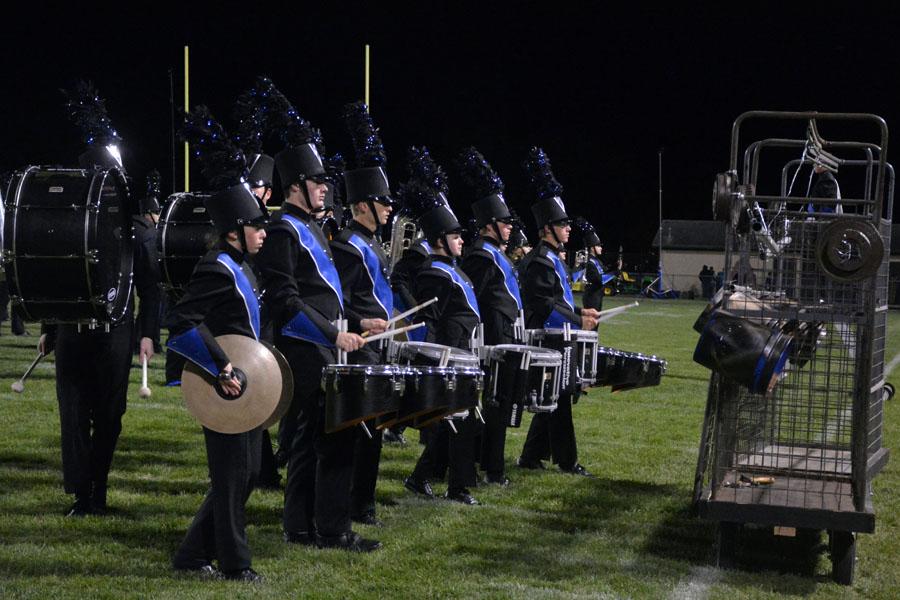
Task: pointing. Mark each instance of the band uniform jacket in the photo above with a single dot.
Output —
(496, 289)
(543, 291)
(451, 320)
(361, 264)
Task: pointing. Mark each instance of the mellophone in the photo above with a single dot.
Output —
(424, 382)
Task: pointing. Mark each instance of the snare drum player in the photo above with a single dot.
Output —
(549, 303)
(222, 298)
(451, 321)
(306, 299)
(93, 365)
(362, 265)
(496, 288)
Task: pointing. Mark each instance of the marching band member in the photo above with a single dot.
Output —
(222, 298)
(306, 299)
(93, 365)
(549, 303)
(496, 288)
(594, 276)
(451, 321)
(362, 265)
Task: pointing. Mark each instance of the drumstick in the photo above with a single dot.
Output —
(612, 312)
(19, 386)
(393, 332)
(144, 392)
(405, 314)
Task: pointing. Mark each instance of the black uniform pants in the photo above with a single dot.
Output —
(92, 369)
(320, 465)
(366, 452)
(493, 434)
(461, 447)
(553, 435)
(218, 530)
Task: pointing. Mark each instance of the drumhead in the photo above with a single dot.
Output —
(185, 232)
(69, 244)
(540, 357)
(371, 370)
(432, 352)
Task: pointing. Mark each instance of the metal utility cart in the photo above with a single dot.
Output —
(801, 453)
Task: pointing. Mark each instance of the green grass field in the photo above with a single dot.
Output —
(628, 533)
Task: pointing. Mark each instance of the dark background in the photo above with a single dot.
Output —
(601, 89)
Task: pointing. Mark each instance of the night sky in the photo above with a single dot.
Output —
(600, 89)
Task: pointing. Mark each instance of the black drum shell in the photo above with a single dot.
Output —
(185, 234)
(569, 369)
(68, 244)
(357, 393)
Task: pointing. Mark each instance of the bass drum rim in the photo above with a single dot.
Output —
(110, 312)
(167, 279)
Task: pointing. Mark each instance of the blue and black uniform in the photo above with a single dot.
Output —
(221, 298)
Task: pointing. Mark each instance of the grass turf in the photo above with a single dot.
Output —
(628, 533)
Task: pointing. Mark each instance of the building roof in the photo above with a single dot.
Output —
(692, 235)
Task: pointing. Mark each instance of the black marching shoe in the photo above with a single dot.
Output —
(81, 508)
(98, 500)
(421, 487)
(203, 571)
(247, 575)
(393, 437)
(500, 480)
(535, 465)
(350, 541)
(578, 470)
(462, 495)
(368, 519)
(302, 538)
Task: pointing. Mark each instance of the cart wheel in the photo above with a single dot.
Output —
(843, 556)
(888, 391)
(726, 544)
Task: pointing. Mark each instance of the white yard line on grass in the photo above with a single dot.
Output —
(696, 585)
(892, 365)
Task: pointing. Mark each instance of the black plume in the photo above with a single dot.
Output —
(250, 112)
(222, 163)
(368, 149)
(540, 175)
(283, 120)
(477, 175)
(334, 167)
(87, 110)
(582, 226)
(153, 181)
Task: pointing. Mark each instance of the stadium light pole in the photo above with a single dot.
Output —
(660, 155)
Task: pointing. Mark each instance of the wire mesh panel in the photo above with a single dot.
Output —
(795, 423)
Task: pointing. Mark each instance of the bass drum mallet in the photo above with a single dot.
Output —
(144, 392)
(19, 386)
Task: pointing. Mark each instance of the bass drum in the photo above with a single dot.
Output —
(185, 231)
(68, 245)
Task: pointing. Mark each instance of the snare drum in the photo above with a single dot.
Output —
(579, 352)
(522, 378)
(447, 380)
(185, 231)
(628, 370)
(357, 393)
(68, 244)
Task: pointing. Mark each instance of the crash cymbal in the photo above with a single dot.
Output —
(287, 386)
(257, 402)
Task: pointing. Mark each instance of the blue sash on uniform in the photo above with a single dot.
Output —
(380, 286)
(509, 277)
(190, 343)
(556, 320)
(301, 326)
(462, 283)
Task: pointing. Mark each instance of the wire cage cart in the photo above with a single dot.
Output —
(792, 435)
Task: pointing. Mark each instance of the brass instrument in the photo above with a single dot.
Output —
(405, 231)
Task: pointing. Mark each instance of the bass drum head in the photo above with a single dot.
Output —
(69, 244)
(185, 232)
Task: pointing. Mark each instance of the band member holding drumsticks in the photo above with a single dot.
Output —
(451, 321)
(362, 264)
(306, 299)
(221, 298)
(549, 303)
(496, 288)
(93, 365)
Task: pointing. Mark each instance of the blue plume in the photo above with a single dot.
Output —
(426, 180)
(368, 149)
(540, 175)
